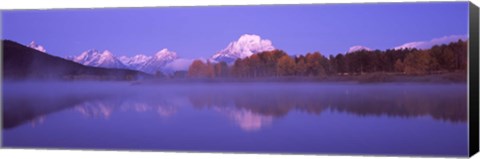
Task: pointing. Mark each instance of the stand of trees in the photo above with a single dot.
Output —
(277, 63)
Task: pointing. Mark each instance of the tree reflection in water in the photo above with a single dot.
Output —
(253, 107)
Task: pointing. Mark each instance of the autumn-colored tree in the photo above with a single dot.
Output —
(270, 60)
(433, 65)
(255, 64)
(300, 66)
(354, 63)
(399, 66)
(461, 50)
(263, 64)
(273, 63)
(340, 64)
(417, 63)
(374, 63)
(445, 57)
(286, 66)
(199, 69)
(240, 68)
(314, 65)
(221, 69)
(325, 62)
(449, 58)
(209, 70)
(196, 69)
(332, 63)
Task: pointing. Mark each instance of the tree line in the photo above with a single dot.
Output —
(277, 63)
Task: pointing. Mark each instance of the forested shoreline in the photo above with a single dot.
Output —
(441, 63)
(447, 61)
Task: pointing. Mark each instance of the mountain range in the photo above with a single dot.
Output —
(23, 62)
(144, 63)
(96, 58)
(167, 61)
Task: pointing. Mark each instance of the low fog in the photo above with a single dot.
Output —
(24, 101)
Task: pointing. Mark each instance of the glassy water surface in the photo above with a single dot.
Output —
(337, 118)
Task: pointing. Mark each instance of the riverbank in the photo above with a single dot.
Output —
(450, 77)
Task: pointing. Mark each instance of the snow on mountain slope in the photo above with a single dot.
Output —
(245, 46)
(358, 48)
(35, 46)
(135, 62)
(158, 61)
(98, 59)
(431, 43)
(140, 62)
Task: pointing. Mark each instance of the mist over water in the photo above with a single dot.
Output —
(389, 118)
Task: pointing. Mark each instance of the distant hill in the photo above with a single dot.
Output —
(21, 62)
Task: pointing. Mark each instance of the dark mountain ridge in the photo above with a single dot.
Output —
(21, 63)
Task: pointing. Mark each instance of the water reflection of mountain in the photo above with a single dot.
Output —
(245, 118)
(20, 109)
(252, 108)
(104, 108)
(441, 104)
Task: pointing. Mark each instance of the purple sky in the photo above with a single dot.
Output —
(195, 32)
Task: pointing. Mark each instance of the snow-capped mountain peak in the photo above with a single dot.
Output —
(107, 53)
(245, 46)
(96, 58)
(107, 56)
(157, 62)
(86, 56)
(431, 43)
(249, 38)
(137, 59)
(166, 54)
(358, 48)
(35, 46)
(140, 62)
